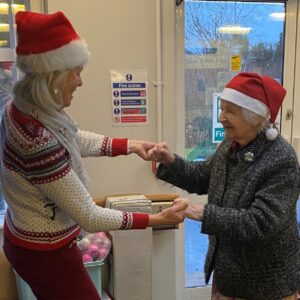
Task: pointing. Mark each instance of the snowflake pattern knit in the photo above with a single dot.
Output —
(47, 202)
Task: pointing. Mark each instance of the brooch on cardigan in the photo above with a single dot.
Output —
(249, 156)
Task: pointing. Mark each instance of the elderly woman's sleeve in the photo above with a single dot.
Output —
(191, 176)
(273, 207)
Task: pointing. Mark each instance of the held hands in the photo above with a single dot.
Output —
(151, 151)
(181, 208)
(193, 211)
(161, 153)
(172, 215)
(140, 148)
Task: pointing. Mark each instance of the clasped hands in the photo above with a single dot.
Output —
(182, 207)
(192, 211)
(159, 152)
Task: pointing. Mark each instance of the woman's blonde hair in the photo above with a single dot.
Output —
(42, 89)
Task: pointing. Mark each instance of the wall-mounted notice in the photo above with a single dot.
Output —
(130, 100)
(235, 62)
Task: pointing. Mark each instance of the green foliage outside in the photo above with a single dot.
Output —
(199, 152)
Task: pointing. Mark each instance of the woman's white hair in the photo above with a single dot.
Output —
(42, 89)
(254, 119)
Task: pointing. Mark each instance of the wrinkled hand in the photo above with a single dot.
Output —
(193, 211)
(161, 153)
(174, 214)
(140, 148)
(171, 215)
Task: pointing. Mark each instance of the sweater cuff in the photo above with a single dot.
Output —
(209, 219)
(119, 147)
(140, 221)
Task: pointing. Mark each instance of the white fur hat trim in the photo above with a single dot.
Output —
(69, 56)
(245, 101)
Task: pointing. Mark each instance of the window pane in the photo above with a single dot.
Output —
(222, 38)
(195, 250)
(4, 26)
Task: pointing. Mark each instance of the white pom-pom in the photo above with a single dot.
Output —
(271, 134)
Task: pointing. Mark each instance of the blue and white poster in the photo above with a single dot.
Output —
(130, 101)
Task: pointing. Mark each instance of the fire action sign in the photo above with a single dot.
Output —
(129, 97)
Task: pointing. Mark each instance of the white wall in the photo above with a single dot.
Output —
(120, 35)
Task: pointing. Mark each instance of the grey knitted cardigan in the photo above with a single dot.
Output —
(250, 217)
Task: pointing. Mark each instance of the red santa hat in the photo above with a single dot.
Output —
(48, 42)
(260, 94)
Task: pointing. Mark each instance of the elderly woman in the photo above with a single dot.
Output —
(253, 183)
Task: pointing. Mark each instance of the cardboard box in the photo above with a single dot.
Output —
(131, 265)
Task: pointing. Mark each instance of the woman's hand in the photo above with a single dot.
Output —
(140, 148)
(161, 153)
(172, 215)
(193, 211)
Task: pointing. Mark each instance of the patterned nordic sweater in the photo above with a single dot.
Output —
(250, 217)
(47, 202)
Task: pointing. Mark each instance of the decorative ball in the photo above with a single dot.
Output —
(271, 134)
(86, 258)
(107, 244)
(98, 241)
(93, 251)
(103, 253)
(94, 246)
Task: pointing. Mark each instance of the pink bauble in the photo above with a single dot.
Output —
(92, 247)
(99, 242)
(103, 253)
(93, 251)
(107, 244)
(86, 257)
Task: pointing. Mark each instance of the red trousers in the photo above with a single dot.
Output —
(52, 275)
